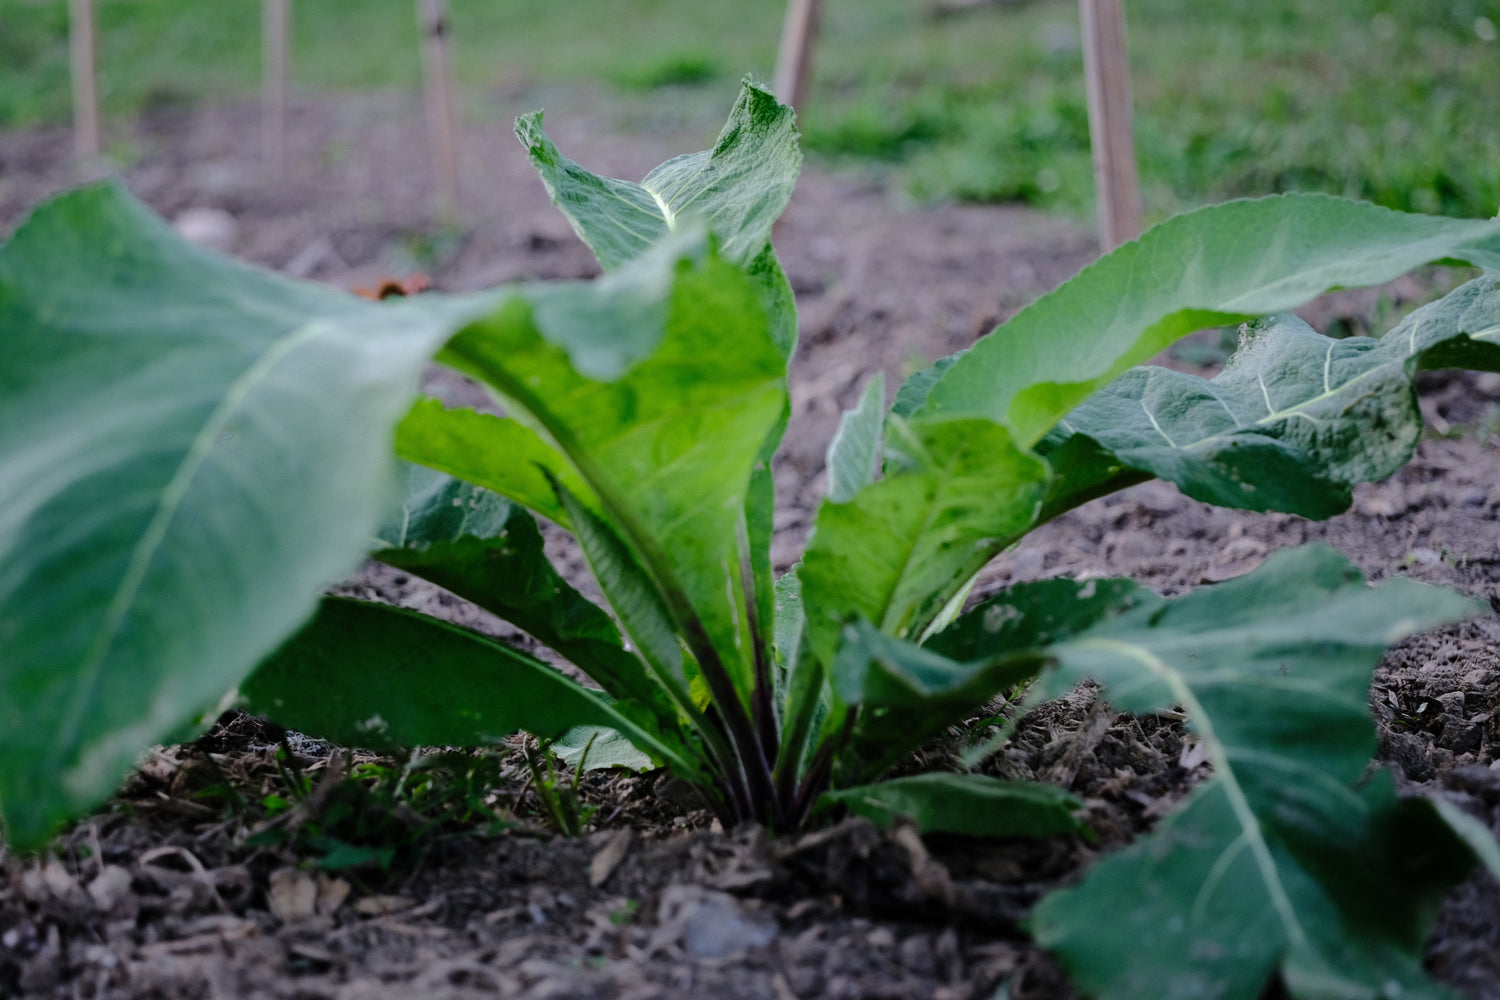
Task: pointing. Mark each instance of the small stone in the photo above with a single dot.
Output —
(916, 955)
(109, 887)
(211, 228)
(710, 924)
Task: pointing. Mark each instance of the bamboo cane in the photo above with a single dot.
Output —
(85, 81)
(432, 17)
(1107, 76)
(275, 44)
(794, 57)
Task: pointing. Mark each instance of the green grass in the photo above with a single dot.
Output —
(1388, 100)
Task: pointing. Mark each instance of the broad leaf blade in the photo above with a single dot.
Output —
(1222, 264)
(189, 451)
(974, 805)
(955, 493)
(877, 670)
(669, 445)
(1037, 614)
(366, 674)
(738, 188)
(488, 550)
(1273, 668)
(605, 748)
(1293, 421)
(908, 693)
(497, 453)
(854, 453)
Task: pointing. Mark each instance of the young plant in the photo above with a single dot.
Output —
(190, 450)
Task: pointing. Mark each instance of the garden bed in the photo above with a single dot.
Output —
(159, 896)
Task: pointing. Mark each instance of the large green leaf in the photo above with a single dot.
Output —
(1291, 423)
(365, 674)
(738, 188)
(1222, 264)
(908, 693)
(488, 550)
(955, 493)
(189, 450)
(668, 445)
(1280, 859)
(974, 805)
(497, 453)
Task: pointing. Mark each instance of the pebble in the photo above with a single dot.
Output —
(711, 924)
(210, 228)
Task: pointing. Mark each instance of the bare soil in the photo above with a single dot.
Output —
(160, 895)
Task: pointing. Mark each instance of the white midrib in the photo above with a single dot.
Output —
(1253, 837)
(666, 210)
(167, 506)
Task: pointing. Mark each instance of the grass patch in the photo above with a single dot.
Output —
(1379, 99)
(1376, 99)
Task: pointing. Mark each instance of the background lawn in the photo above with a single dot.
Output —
(1389, 100)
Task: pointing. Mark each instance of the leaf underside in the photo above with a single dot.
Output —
(190, 449)
(1222, 264)
(1292, 423)
(366, 674)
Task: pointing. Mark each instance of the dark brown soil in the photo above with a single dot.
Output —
(160, 895)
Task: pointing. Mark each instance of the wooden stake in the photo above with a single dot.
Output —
(85, 81)
(275, 45)
(794, 58)
(1108, 78)
(432, 17)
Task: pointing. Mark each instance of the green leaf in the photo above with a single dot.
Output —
(955, 493)
(1222, 264)
(365, 674)
(488, 550)
(908, 693)
(190, 450)
(974, 805)
(854, 453)
(1279, 859)
(642, 610)
(1294, 420)
(466, 444)
(1035, 615)
(739, 188)
(670, 445)
(879, 670)
(605, 748)
(789, 617)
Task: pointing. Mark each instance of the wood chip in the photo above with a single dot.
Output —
(109, 887)
(331, 893)
(293, 895)
(379, 906)
(609, 857)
